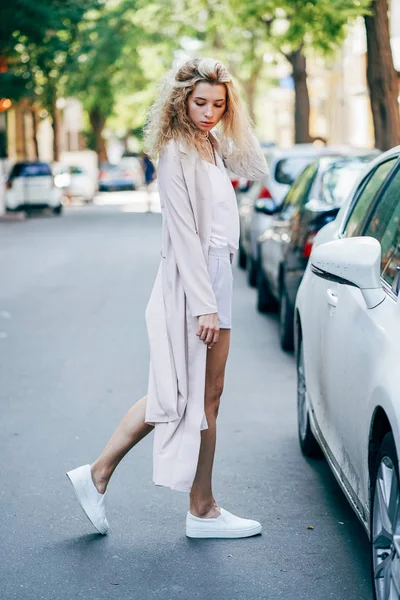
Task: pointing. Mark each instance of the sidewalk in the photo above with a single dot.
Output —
(12, 216)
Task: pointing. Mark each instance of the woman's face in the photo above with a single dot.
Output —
(206, 105)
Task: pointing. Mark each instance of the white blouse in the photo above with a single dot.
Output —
(225, 228)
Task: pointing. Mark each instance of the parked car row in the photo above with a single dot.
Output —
(280, 232)
(39, 184)
(330, 257)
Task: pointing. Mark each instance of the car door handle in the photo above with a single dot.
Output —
(331, 297)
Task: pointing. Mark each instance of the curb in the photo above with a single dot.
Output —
(13, 216)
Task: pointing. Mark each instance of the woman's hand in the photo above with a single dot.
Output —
(209, 329)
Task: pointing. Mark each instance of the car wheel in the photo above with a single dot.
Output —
(57, 210)
(242, 257)
(265, 301)
(286, 321)
(308, 444)
(251, 271)
(385, 522)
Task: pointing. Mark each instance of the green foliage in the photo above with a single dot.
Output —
(39, 42)
(293, 24)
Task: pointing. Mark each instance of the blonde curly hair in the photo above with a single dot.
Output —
(169, 120)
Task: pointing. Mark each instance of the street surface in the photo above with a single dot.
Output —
(73, 358)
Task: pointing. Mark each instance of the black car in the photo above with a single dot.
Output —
(284, 248)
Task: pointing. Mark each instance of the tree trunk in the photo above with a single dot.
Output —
(382, 77)
(98, 121)
(55, 121)
(301, 98)
(250, 91)
(34, 133)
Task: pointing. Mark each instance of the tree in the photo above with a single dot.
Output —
(382, 78)
(40, 43)
(121, 54)
(294, 27)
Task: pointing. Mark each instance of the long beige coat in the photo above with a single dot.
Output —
(182, 291)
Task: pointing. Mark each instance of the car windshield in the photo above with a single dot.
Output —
(288, 169)
(76, 170)
(31, 170)
(339, 180)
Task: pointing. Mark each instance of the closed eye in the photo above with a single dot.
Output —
(216, 105)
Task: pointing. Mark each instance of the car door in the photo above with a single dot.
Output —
(322, 304)
(355, 340)
(280, 230)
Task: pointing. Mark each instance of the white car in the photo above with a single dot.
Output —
(31, 184)
(76, 182)
(347, 329)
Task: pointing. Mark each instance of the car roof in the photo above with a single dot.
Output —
(31, 162)
(311, 150)
(327, 161)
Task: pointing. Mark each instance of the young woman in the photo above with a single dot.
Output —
(188, 316)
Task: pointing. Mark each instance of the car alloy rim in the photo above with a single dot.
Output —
(302, 413)
(386, 533)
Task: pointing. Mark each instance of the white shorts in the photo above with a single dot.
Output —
(220, 271)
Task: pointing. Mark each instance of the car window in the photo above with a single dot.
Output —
(391, 272)
(301, 186)
(31, 170)
(384, 225)
(76, 170)
(288, 169)
(366, 197)
(338, 181)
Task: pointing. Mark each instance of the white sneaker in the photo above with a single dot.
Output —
(226, 525)
(91, 501)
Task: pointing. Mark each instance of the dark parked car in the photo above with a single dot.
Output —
(284, 167)
(284, 248)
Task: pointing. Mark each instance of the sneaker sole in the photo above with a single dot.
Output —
(79, 494)
(223, 533)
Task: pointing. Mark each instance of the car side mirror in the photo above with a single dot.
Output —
(351, 261)
(265, 205)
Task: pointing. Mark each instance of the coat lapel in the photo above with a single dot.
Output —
(199, 189)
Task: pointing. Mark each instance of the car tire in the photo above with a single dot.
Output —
(242, 258)
(252, 269)
(384, 495)
(286, 321)
(308, 444)
(265, 301)
(57, 210)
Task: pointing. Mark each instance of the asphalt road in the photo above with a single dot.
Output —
(73, 358)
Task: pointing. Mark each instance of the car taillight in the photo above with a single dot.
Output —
(102, 175)
(235, 183)
(8, 184)
(264, 193)
(308, 244)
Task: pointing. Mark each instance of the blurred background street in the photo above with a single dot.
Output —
(80, 236)
(74, 357)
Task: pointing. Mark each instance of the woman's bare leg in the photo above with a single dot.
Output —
(129, 432)
(202, 503)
